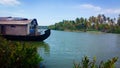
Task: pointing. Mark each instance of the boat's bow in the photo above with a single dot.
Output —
(47, 34)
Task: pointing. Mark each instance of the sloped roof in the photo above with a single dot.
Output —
(14, 20)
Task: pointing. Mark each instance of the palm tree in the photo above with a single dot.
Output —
(112, 21)
(108, 19)
(118, 21)
(104, 18)
(99, 18)
(77, 20)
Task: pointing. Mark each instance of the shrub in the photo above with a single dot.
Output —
(86, 63)
(18, 55)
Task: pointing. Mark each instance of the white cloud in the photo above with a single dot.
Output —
(89, 6)
(9, 2)
(111, 11)
(98, 9)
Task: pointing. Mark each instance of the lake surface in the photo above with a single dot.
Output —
(62, 48)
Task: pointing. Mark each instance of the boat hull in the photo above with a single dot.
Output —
(28, 37)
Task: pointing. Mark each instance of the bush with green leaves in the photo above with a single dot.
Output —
(18, 55)
(86, 63)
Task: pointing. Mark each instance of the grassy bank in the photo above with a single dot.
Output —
(18, 55)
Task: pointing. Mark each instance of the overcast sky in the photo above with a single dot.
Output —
(48, 12)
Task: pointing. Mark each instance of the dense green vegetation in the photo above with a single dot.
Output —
(18, 54)
(98, 23)
(87, 63)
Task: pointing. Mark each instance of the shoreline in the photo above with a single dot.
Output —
(89, 31)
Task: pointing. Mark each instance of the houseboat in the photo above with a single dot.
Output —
(21, 29)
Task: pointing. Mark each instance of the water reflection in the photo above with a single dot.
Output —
(42, 48)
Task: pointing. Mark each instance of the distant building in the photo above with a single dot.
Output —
(18, 26)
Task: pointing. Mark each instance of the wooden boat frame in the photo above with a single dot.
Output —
(29, 37)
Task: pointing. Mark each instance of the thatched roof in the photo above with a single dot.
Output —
(14, 20)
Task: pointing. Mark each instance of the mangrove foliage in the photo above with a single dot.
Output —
(18, 54)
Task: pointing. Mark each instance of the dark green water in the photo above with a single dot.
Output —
(62, 48)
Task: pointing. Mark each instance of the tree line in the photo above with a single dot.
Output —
(93, 23)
